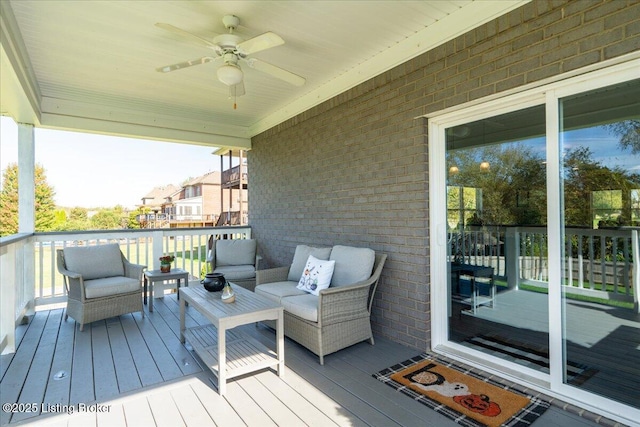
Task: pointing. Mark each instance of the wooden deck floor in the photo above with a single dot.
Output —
(603, 338)
(133, 371)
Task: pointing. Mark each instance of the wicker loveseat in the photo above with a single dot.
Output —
(339, 316)
(100, 282)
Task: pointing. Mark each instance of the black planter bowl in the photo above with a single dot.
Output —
(214, 282)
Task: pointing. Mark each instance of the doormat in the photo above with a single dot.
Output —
(577, 373)
(465, 397)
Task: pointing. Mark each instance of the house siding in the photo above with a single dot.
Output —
(354, 169)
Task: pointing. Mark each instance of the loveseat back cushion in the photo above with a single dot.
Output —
(94, 262)
(109, 286)
(235, 252)
(300, 258)
(352, 264)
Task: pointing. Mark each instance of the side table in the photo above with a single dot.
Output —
(151, 276)
(475, 272)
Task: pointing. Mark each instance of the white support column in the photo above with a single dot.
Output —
(26, 207)
(158, 251)
(26, 179)
(512, 254)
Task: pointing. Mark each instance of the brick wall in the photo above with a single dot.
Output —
(354, 170)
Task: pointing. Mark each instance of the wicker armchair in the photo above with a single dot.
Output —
(100, 282)
(343, 312)
(237, 259)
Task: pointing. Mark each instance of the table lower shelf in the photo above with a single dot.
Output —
(243, 353)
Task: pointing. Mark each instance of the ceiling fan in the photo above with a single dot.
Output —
(233, 49)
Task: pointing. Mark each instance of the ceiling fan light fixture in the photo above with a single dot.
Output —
(230, 74)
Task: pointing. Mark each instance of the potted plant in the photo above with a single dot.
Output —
(165, 263)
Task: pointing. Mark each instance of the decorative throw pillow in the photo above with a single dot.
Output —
(316, 275)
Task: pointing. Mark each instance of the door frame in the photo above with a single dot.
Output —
(547, 93)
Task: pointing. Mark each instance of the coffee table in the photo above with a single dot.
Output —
(230, 353)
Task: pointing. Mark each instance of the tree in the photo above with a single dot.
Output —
(134, 221)
(9, 201)
(629, 133)
(106, 219)
(44, 202)
(512, 189)
(61, 220)
(78, 219)
(584, 176)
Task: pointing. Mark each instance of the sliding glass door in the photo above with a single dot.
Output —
(496, 218)
(535, 222)
(600, 171)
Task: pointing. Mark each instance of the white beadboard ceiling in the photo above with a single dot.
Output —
(90, 65)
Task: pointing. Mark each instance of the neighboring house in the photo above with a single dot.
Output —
(200, 202)
(197, 203)
(235, 181)
(154, 203)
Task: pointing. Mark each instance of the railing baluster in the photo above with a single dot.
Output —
(603, 266)
(592, 283)
(626, 268)
(580, 237)
(614, 256)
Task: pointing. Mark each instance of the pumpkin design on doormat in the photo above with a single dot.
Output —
(428, 380)
(465, 394)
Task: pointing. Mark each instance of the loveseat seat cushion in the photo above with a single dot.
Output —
(300, 258)
(353, 264)
(94, 262)
(107, 286)
(305, 306)
(237, 272)
(235, 252)
(276, 291)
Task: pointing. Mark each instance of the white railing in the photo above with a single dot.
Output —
(30, 278)
(16, 298)
(600, 263)
(481, 246)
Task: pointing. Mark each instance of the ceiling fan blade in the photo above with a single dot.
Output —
(236, 90)
(276, 72)
(185, 64)
(258, 43)
(186, 34)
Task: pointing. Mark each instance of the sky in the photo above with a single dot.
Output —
(91, 171)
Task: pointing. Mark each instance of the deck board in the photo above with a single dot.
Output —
(164, 361)
(165, 411)
(14, 378)
(104, 370)
(148, 372)
(82, 381)
(36, 382)
(125, 367)
(58, 391)
(171, 388)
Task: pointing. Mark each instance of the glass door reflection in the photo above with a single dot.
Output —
(497, 235)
